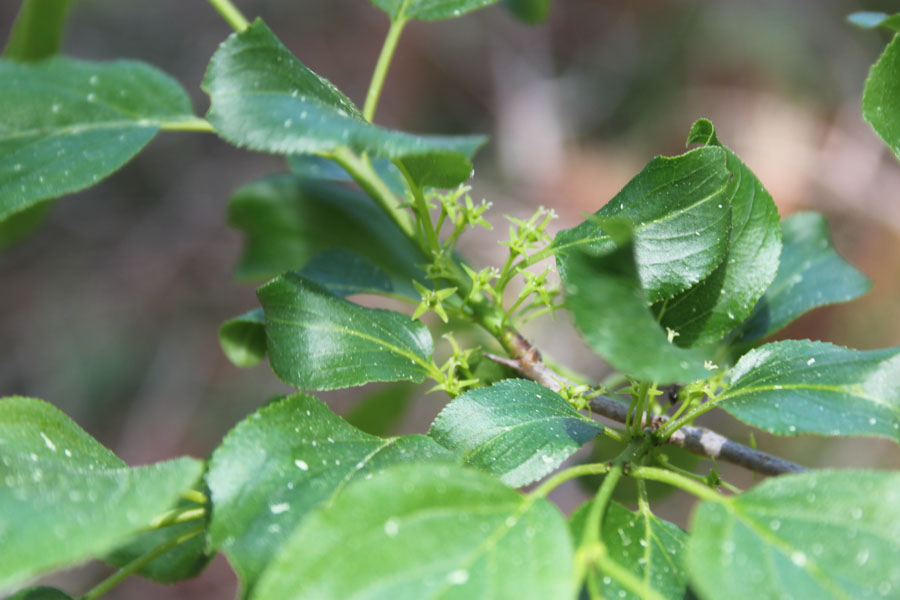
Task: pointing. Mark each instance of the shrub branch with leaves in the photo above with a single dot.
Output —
(675, 282)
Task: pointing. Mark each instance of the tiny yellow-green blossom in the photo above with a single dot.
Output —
(432, 300)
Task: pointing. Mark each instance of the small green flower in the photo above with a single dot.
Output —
(432, 300)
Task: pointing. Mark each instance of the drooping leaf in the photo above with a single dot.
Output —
(529, 11)
(41, 593)
(881, 96)
(264, 98)
(650, 548)
(65, 124)
(379, 413)
(795, 387)
(282, 461)
(429, 10)
(811, 274)
(38, 30)
(679, 210)
(516, 429)
(824, 534)
(64, 498)
(311, 166)
(424, 531)
(243, 338)
(317, 341)
(184, 561)
(287, 220)
(612, 313)
(872, 19)
(705, 313)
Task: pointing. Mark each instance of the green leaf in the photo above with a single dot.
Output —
(65, 124)
(529, 11)
(679, 210)
(317, 341)
(345, 273)
(64, 498)
(796, 387)
(182, 562)
(824, 534)
(881, 96)
(379, 412)
(611, 310)
(310, 166)
(516, 429)
(417, 532)
(438, 169)
(264, 98)
(650, 548)
(872, 19)
(243, 338)
(811, 274)
(282, 461)
(21, 224)
(429, 10)
(38, 30)
(41, 593)
(287, 220)
(708, 311)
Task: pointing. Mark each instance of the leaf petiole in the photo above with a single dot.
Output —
(231, 14)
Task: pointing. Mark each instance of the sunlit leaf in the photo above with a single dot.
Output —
(66, 124)
(317, 341)
(425, 531)
(516, 429)
(794, 387)
(282, 461)
(64, 498)
(825, 534)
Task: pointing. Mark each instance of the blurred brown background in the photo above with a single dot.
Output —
(110, 309)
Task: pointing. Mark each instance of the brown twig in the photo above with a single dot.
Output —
(525, 359)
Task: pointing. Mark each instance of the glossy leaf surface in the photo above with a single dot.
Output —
(66, 124)
(826, 534)
(611, 312)
(516, 429)
(811, 274)
(881, 97)
(317, 341)
(680, 214)
(429, 10)
(795, 387)
(264, 98)
(418, 532)
(286, 221)
(651, 549)
(282, 461)
(38, 30)
(705, 313)
(64, 498)
(872, 19)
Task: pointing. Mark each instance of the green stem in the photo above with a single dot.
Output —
(598, 506)
(381, 67)
(564, 476)
(598, 557)
(698, 489)
(138, 563)
(674, 425)
(421, 210)
(360, 169)
(231, 14)
(194, 496)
